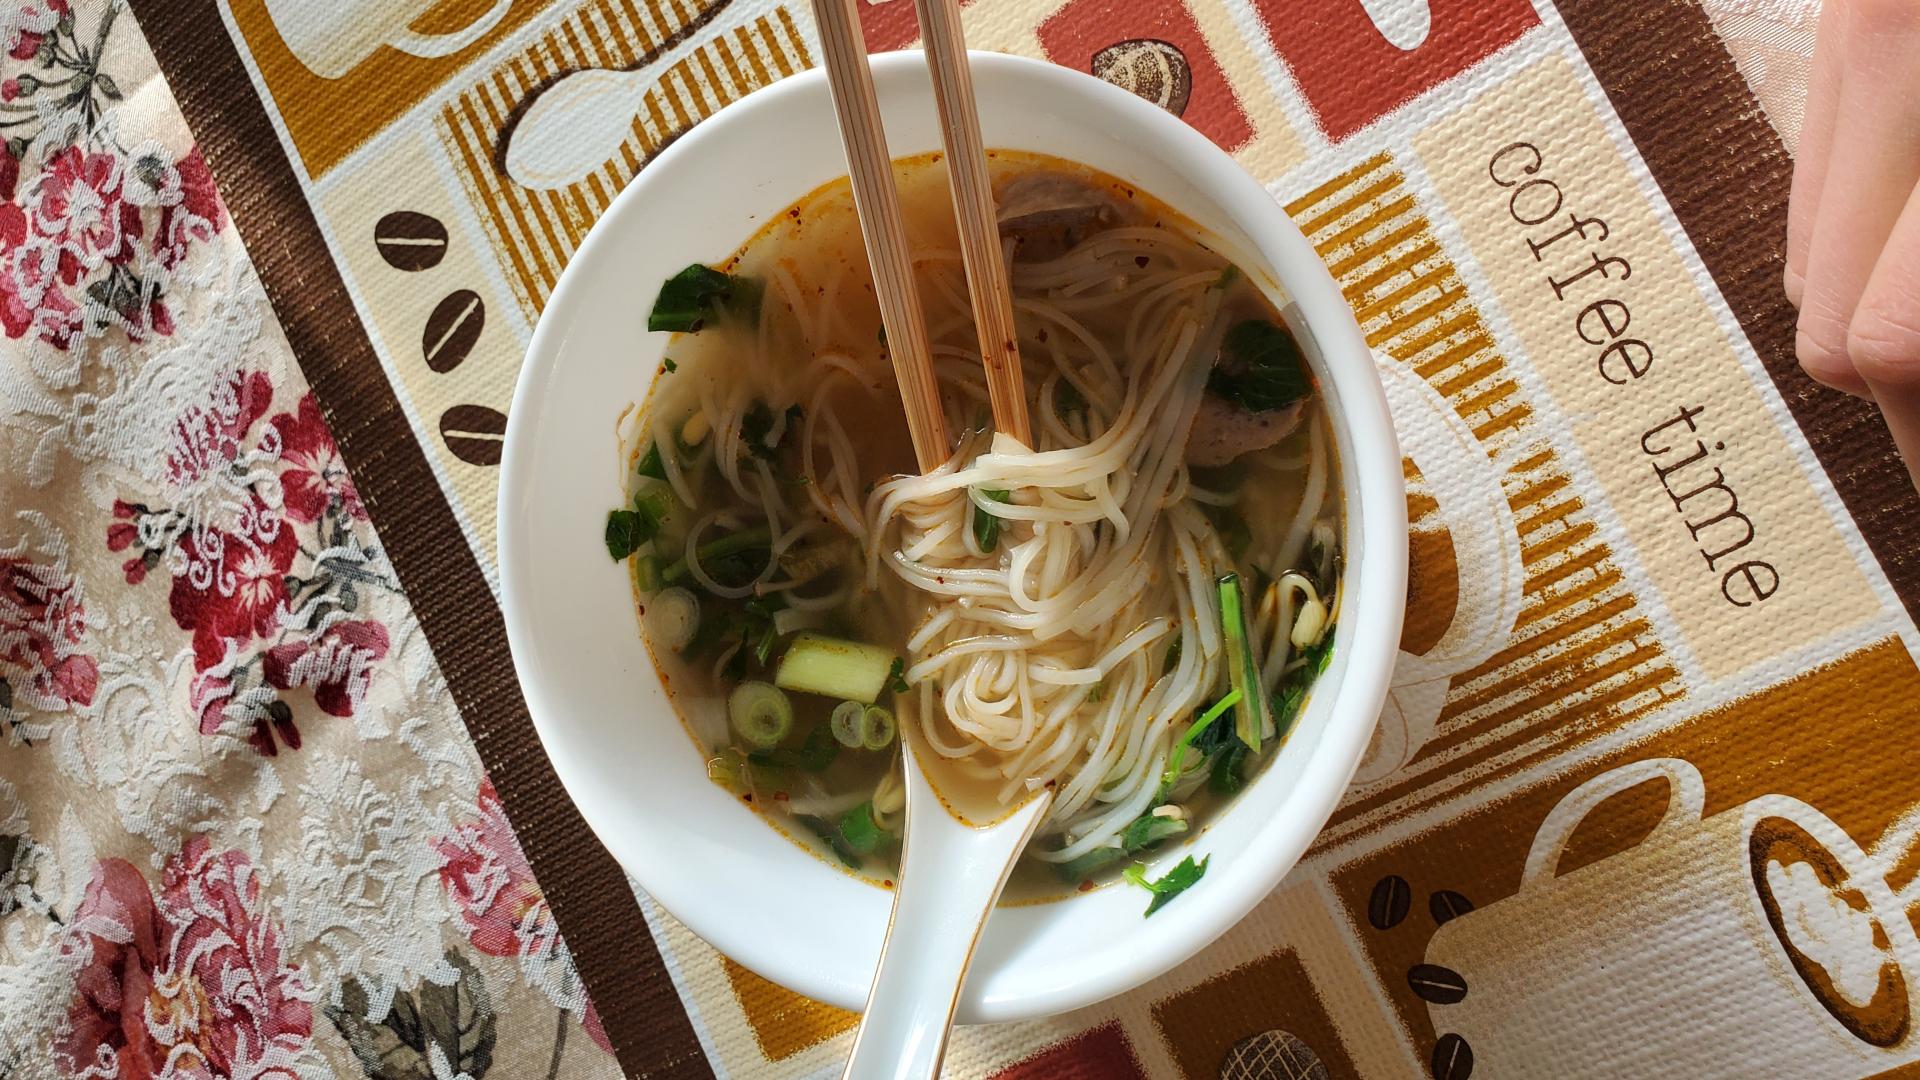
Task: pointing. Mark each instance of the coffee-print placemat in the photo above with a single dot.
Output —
(1642, 797)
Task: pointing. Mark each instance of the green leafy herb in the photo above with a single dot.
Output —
(860, 831)
(1067, 399)
(688, 298)
(755, 426)
(1098, 694)
(1228, 275)
(897, 676)
(986, 526)
(1144, 833)
(626, 531)
(1228, 774)
(1173, 656)
(1178, 880)
(650, 465)
(830, 835)
(1177, 760)
(814, 754)
(669, 366)
(1263, 367)
(1234, 534)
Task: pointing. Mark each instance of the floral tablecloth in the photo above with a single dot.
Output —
(270, 803)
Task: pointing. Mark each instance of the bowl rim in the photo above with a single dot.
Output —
(1377, 570)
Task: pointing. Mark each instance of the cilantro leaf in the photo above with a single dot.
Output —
(1178, 880)
(986, 526)
(626, 531)
(755, 426)
(669, 366)
(1264, 367)
(687, 298)
(897, 676)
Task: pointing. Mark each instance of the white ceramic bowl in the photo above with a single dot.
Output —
(597, 701)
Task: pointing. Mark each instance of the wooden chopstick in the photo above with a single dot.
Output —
(946, 50)
(877, 200)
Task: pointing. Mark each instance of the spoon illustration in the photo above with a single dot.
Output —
(574, 126)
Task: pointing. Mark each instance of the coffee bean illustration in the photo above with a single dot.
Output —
(452, 330)
(1452, 1058)
(1442, 986)
(1273, 1055)
(474, 433)
(1447, 905)
(1152, 69)
(409, 240)
(1389, 902)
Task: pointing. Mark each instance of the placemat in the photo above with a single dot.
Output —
(1641, 798)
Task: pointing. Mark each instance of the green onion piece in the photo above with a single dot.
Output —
(728, 769)
(650, 466)
(761, 713)
(877, 728)
(1249, 721)
(835, 668)
(1177, 760)
(672, 618)
(845, 724)
(746, 540)
(687, 298)
(860, 831)
(986, 526)
(1178, 880)
(646, 574)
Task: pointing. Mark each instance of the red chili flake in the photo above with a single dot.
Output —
(1086, 886)
(779, 796)
(1042, 335)
(793, 212)
(1140, 260)
(887, 884)
(748, 796)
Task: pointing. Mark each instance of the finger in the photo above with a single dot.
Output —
(1871, 169)
(1883, 340)
(1900, 405)
(1816, 141)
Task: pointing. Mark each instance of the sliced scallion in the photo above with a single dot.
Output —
(877, 728)
(846, 724)
(761, 713)
(673, 615)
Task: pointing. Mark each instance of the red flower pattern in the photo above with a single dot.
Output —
(190, 984)
(234, 586)
(76, 205)
(487, 876)
(315, 476)
(32, 21)
(42, 624)
(337, 664)
(211, 436)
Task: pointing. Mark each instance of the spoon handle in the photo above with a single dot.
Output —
(950, 876)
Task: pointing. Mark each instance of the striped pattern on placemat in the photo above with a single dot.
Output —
(1582, 658)
(534, 233)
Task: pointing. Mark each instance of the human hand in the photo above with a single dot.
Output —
(1853, 226)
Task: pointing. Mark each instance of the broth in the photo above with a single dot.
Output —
(1063, 618)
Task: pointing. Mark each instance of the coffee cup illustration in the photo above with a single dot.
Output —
(1473, 514)
(1762, 934)
(332, 37)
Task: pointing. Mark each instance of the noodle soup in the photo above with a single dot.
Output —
(1130, 612)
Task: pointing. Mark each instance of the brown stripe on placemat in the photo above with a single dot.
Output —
(617, 958)
(1726, 175)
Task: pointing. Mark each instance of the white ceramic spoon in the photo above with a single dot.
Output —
(574, 126)
(950, 875)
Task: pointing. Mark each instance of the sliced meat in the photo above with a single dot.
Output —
(1223, 431)
(1046, 214)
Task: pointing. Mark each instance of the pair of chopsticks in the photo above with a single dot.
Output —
(877, 201)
